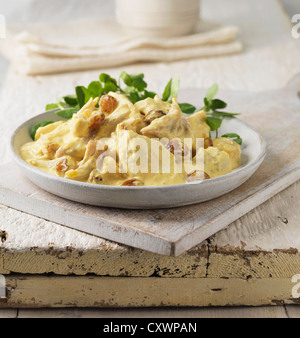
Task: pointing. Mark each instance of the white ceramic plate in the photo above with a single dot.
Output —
(253, 153)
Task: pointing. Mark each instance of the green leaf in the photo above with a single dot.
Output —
(167, 91)
(71, 100)
(135, 81)
(107, 78)
(206, 102)
(34, 129)
(138, 82)
(212, 92)
(223, 113)
(52, 106)
(148, 94)
(82, 95)
(134, 97)
(187, 108)
(175, 88)
(110, 87)
(95, 89)
(126, 78)
(109, 84)
(217, 104)
(213, 122)
(67, 113)
(206, 107)
(127, 90)
(234, 137)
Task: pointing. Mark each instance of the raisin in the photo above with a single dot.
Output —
(108, 104)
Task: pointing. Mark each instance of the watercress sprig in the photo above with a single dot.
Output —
(135, 88)
(234, 137)
(214, 116)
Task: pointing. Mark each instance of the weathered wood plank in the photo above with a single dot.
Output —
(262, 243)
(293, 311)
(215, 312)
(33, 291)
(258, 74)
(8, 313)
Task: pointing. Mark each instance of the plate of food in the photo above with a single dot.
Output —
(116, 144)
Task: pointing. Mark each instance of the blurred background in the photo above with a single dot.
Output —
(259, 24)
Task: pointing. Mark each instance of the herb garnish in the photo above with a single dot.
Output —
(214, 115)
(234, 137)
(135, 88)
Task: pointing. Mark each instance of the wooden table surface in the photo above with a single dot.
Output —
(263, 244)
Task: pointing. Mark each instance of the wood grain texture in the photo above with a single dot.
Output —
(8, 313)
(216, 312)
(293, 311)
(263, 243)
(32, 291)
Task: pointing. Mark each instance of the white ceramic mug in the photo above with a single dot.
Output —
(158, 18)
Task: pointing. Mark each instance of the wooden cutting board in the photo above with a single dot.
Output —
(276, 114)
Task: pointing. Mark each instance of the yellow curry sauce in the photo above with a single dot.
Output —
(70, 148)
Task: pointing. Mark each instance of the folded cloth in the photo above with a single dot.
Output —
(74, 46)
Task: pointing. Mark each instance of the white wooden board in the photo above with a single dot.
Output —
(170, 232)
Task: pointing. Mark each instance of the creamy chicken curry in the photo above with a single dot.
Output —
(98, 144)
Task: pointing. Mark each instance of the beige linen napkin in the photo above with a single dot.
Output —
(90, 44)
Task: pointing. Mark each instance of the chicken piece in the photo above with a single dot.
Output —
(232, 148)
(179, 150)
(171, 126)
(147, 160)
(87, 117)
(82, 172)
(73, 147)
(95, 177)
(153, 115)
(148, 105)
(79, 126)
(90, 150)
(119, 115)
(48, 129)
(60, 152)
(211, 161)
(199, 127)
(216, 162)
